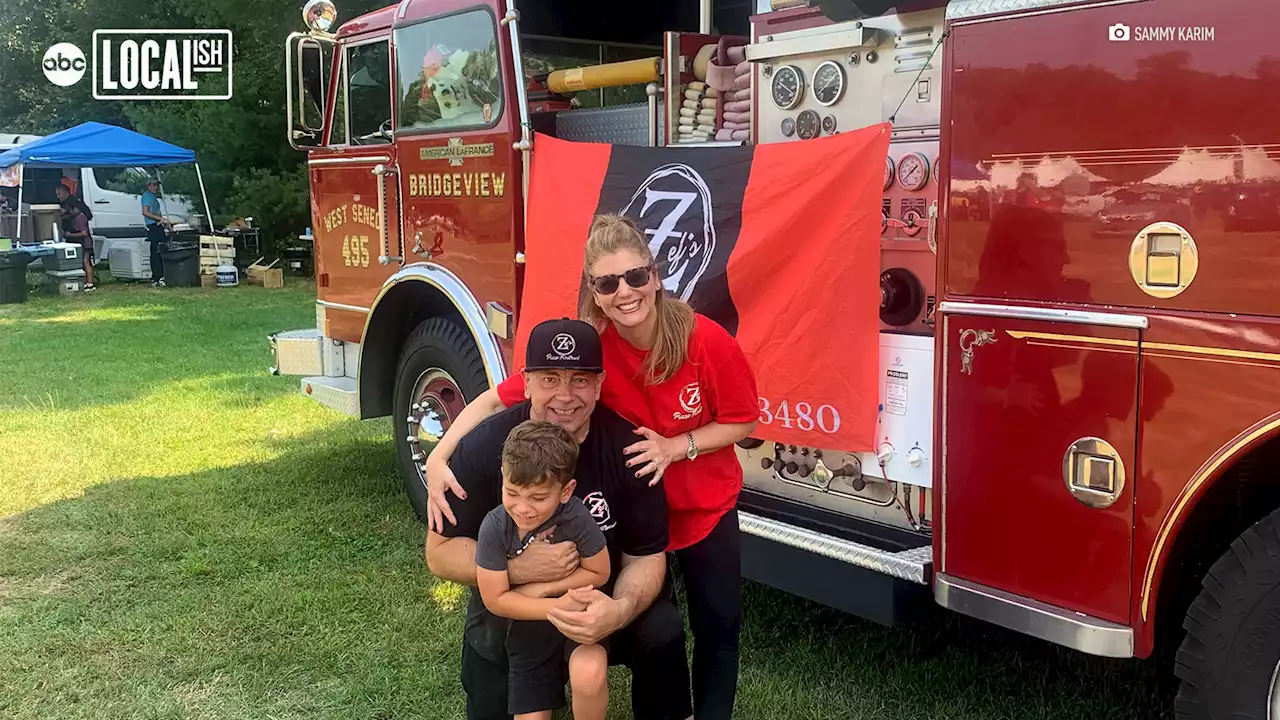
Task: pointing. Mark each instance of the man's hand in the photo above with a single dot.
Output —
(439, 479)
(600, 616)
(543, 562)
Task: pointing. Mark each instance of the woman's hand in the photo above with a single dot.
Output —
(439, 479)
(656, 451)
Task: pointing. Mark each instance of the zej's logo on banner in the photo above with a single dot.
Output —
(162, 64)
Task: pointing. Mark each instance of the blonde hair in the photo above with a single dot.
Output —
(613, 233)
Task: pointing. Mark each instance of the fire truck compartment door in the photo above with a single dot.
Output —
(1040, 438)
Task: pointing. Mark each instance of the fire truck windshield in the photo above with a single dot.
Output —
(448, 73)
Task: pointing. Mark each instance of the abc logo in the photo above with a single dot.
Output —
(63, 64)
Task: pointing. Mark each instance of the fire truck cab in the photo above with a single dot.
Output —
(1079, 349)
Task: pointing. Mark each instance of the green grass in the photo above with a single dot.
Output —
(184, 536)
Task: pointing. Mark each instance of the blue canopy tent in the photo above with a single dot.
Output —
(95, 144)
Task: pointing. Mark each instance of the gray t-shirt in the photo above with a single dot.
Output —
(499, 539)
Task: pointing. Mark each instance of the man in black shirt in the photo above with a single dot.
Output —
(635, 608)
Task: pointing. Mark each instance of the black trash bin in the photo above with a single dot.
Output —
(181, 262)
(13, 276)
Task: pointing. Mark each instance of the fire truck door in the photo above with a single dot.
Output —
(352, 191)
(1039, 428)
(458, 179)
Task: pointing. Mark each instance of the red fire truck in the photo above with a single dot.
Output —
(1079, 349)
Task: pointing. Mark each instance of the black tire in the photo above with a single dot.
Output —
(1232, 647)
(436, 344)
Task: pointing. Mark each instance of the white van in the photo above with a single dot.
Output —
(116, 214)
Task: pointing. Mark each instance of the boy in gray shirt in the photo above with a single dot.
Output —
(538, 460)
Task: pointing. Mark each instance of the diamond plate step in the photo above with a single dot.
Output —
(337, 393)
(914, 565)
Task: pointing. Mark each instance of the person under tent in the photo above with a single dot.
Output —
(156, 224)
(79, 233)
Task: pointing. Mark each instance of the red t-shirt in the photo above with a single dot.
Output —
(715, 384)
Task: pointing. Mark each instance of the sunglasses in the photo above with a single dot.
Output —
(608, 284)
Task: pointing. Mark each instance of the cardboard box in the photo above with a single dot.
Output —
(267, 276)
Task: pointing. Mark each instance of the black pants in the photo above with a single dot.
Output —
(652, 646)
(157, 238)
(712, 574)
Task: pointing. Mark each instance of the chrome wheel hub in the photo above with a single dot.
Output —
(434, 403)
(1273, 700)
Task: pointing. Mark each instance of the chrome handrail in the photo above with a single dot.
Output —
(525, 144)
(382, 171)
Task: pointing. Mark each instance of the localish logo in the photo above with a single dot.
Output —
(63, 64)
(673, 209)
(456, 151)
(599, 509)
(690, 402)
(192, 64)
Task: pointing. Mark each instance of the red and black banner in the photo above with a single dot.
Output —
(779, 243)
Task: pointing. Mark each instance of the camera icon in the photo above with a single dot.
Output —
(1118, 32)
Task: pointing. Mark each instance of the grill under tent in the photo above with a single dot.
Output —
(98, 145)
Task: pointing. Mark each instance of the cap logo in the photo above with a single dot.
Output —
(562, 347)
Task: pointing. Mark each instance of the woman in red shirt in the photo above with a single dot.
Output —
(687, 386)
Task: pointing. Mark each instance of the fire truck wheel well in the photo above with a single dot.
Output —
(1244, 494)
(402, 309)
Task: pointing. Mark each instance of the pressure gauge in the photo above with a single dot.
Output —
(829, 124)
(913, 171)
(937, 168)
(787, 87)
(788, 127)
(808, 124)
(828, 83)
(888, 173)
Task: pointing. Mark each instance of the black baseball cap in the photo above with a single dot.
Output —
(563, 344)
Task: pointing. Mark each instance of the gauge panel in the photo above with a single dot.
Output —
(913, 171)
(787, 87)
(828, 83)
(808, 124)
